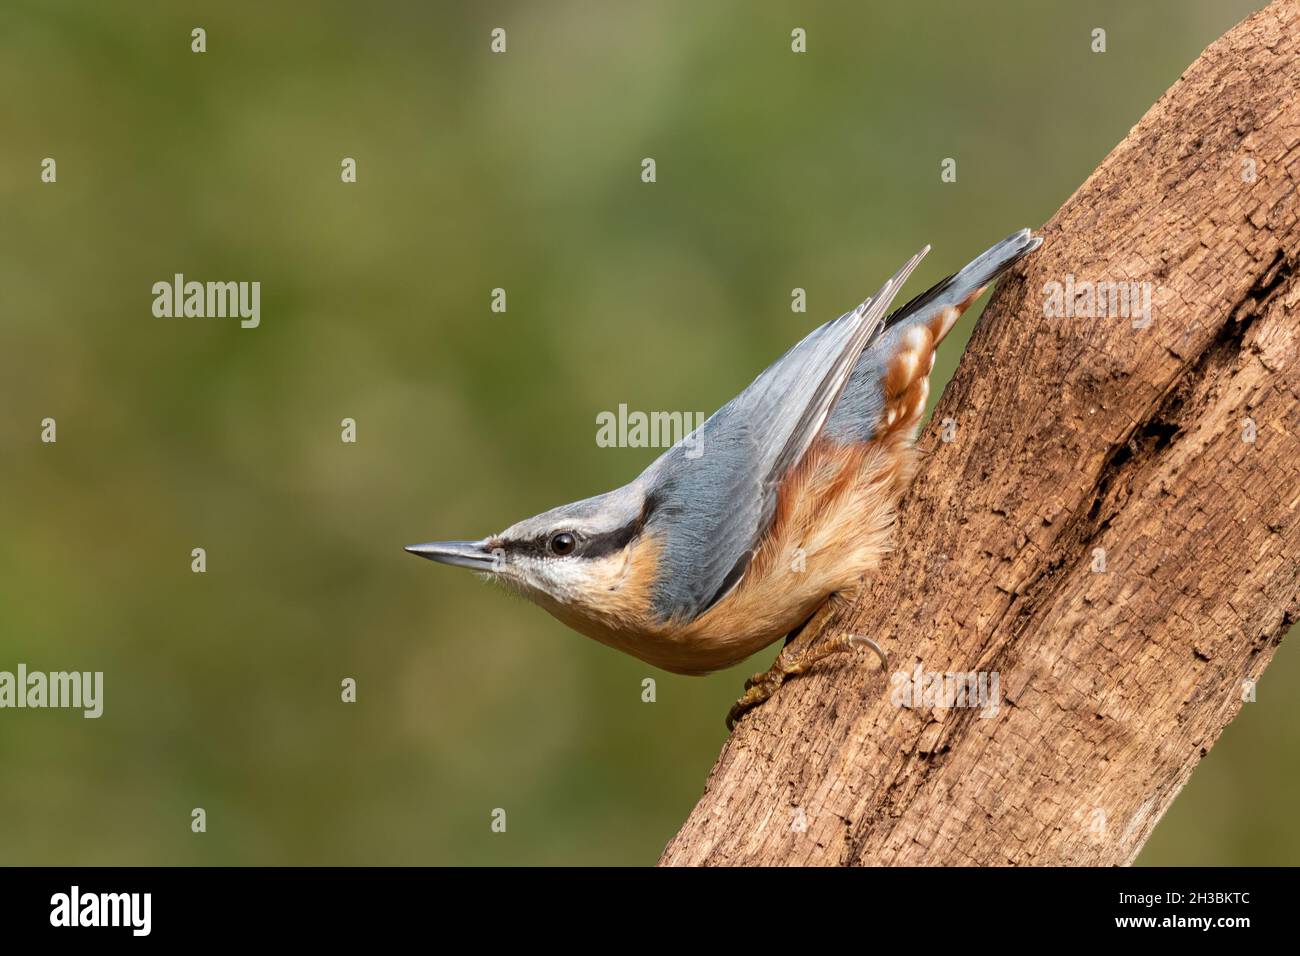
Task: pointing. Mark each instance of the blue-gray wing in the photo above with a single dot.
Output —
(712, 497)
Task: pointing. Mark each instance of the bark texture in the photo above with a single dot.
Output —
(1078, 440)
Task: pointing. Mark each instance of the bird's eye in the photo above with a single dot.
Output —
(563, 543)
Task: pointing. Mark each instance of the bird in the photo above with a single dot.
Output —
(763, 525)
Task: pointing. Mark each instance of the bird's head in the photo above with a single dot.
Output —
(580, 560)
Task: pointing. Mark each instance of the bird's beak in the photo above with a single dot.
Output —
(463, 554)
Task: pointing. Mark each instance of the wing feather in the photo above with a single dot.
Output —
(712, 509)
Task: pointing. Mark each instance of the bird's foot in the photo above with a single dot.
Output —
(757, 689)
(797, 657)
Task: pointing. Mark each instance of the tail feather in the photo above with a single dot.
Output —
(960, 289)
(890, 385)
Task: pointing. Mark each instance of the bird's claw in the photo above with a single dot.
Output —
(757, 689)
(762, 686)
(856, 640)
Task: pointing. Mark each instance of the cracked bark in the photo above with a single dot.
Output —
(1073, 435)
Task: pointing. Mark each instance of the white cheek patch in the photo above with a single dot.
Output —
(575, 580)
(567, 576)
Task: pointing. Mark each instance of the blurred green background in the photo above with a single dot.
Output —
(476, 171)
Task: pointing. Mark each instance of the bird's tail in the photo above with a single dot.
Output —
(954, 294)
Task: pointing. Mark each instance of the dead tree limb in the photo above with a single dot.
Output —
(1114, 529)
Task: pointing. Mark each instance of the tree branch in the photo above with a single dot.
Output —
(1102, 533)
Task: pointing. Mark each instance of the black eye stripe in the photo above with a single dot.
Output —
(533, 548)
(586, 545)
(600, 545)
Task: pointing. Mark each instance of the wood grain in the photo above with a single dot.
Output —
(1074, 434)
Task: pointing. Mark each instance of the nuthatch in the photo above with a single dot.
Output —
(705, 559)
